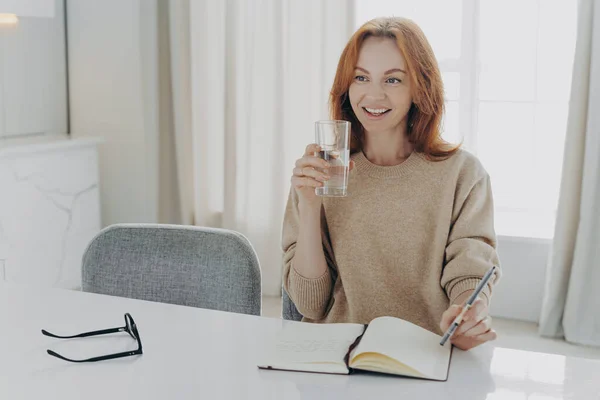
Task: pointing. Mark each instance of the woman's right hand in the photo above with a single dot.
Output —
(308, 175)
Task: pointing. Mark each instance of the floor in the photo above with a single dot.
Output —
(511, 334)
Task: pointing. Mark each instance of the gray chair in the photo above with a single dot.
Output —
(288, 308)
(186, 265)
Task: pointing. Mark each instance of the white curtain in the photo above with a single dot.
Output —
(571, 305)
(248, 78)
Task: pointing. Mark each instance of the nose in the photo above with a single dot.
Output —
(375, 92)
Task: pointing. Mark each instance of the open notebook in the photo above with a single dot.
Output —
(387, 345)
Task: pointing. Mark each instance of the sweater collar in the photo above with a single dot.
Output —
(364, 166)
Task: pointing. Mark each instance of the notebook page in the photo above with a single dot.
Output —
(303, 343)
(407, 343)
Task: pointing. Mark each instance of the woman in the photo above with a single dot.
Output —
(416, 233)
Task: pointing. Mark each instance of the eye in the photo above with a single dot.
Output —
(360, 78)
(392, 80)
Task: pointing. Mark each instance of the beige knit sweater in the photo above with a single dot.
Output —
(405, 242)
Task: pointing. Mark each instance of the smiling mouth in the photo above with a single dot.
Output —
(376, 112)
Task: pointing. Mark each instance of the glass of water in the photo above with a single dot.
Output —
(334, 139)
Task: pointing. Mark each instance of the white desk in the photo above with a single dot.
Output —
(200, 354)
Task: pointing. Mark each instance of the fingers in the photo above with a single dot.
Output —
(476, 314)
(311, 173)
(449, 315)
(476, 327)
(488, 336)
(465, 326)
(311, 170)
(311, 149)
(472, 317)
(477, 311)
(307, 173)
(300, 182)
(467, 343)
(311, 161)
(482, 327)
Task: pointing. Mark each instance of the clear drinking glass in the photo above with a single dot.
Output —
(334, 139)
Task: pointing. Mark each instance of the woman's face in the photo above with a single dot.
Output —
(380, 92)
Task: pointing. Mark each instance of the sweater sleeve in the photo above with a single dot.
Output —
(311, 296)
(471, 248)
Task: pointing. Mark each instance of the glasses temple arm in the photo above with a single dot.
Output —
(101, 358)
(85, 334)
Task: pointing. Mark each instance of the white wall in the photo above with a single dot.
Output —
(520, 292)
(113, 91)
(33, 88)
(30, 8)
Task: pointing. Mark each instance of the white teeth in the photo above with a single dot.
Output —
(376, 110)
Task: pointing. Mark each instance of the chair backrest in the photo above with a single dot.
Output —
(288, 308)
(185, 265)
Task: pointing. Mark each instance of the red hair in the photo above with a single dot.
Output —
(427, 89)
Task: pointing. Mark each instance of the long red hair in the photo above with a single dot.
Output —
(425, 114)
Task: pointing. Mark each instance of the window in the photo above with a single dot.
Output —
(506, 66)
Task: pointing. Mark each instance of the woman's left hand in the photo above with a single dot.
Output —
(476, 327)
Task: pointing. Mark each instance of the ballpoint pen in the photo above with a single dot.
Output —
(468, 304)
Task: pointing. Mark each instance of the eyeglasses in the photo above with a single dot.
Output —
(130, 327)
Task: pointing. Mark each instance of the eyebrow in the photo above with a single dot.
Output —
(385, 73)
